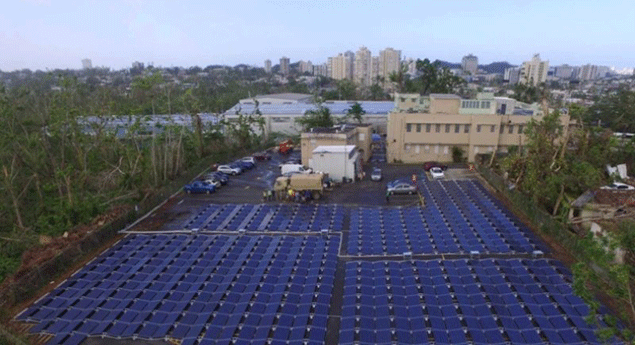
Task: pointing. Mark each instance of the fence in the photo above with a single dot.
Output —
(539, 217)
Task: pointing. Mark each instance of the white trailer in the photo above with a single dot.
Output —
(339, 161)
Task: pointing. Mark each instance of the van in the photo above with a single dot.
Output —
(291, 168)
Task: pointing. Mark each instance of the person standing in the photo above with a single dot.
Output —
(387, 197)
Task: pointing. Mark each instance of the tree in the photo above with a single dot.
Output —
(399, 77)
(314, 118)
(355, 112)
(347, 89)
(615, 110)
(435, 79)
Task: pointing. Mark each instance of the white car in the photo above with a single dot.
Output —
(226, 169)
(618, 186)
(249, 159)
(436, 173)
(214, 181)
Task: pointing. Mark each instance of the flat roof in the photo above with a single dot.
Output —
(335, 107)
(334, 149)
(444, 96)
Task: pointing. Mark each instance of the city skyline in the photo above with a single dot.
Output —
(49, 34)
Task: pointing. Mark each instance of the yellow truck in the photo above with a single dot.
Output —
(300, 182)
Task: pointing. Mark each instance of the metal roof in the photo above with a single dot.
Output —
(336, 108)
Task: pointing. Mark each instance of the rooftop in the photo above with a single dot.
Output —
(334, 149)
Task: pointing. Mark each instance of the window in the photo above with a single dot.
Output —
(408, 127)
(426, 148)
(407, 149)
(492, 129)
(511, 129)
(414, 100)
(466, 129)
(313, 142)
(403, 99)
(502, 129)
(446, 149)
(485, 105)
(447, 128)
(457, 128)
(520, 129)
(362, 136)
(418, 128)
(417, 148)
(475, 150)
(438, 128)
(478, 128)
(428, 127)
(436, 149)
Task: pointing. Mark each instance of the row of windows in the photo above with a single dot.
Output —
(456, 128)
(415, 148)
(475, 104)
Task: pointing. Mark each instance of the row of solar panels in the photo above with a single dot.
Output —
(266, 217)
(198, 289)
(301, 108)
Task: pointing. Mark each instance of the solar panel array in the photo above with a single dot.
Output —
(460, 301)
(336, 108)
(274, 282)
(267, 217)
(200, 289)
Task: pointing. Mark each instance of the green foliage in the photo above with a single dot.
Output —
(457, 154)
(615, 110)
(347, 89)
(527, 93)
(355, 112)
(433, 79)
(320, 117)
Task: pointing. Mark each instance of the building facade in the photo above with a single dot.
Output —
(306, 67)
(469, 64)
(284, 65)
(362, 68)
(534, 72)
(87, 63)
(356, 135)
(342, 66)
(268, 66)
(423, 128)
(389, 62)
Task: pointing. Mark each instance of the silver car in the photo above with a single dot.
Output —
(401, 187)
(376, 175)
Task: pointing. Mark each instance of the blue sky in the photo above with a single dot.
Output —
(40, 34)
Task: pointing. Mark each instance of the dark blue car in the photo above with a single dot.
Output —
(244, 165)
(199, 187)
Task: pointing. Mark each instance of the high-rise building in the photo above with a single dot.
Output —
(588, 72)
(512, 75)
(342, 66)
(374, 70)
(306, 66)
(362, 68)
(564, 71)
(87, 64)
(268, 66)
(534, 72)
(321, 70)
(469, 63)
(284, 65)
(389, 62)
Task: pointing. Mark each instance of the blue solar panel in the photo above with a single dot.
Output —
(442, 313)
(237, 297)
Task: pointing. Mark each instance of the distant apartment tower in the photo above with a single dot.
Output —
(374, 69)
(469, 63)
(321, 70)
(534, 72)
(512, 75)
(268, 66)
(87, 64)
(564, 71)
(342, 66)
(363, 66)
(306, 66)
(284, 65)
(389, 62)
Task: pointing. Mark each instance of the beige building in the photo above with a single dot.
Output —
(358, 135)
(284, 65)
(389, 62)
(342, 67)
(426, 128)
(534, 72)
(469, 63)
(267, 66)
(363, 67)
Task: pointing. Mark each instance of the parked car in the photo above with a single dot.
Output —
(222, 177)
(286, 168)
(249, 159)
(262, 156)
(429, 165)
(618, 186)
(436, 173)
(244, 165)
(401, 187)
(229, 170)
(213, 180)
(200, 187)
(376, 175)
(291, 161)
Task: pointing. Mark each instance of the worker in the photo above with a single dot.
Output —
(387, 197)
(291, 194)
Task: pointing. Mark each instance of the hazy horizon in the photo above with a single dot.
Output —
(50, 34)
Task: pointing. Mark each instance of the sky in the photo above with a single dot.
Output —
(49, 34)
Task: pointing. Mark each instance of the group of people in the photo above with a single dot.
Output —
(290, 195)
